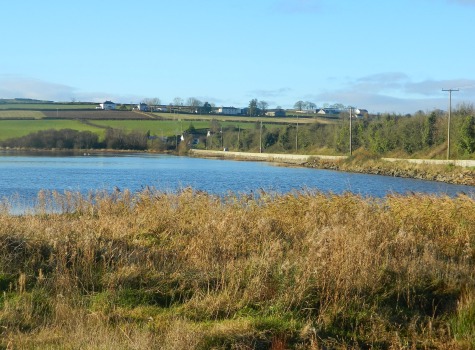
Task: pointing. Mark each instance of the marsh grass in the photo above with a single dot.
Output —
(189, 270)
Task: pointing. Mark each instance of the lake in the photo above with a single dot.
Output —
(23, 176)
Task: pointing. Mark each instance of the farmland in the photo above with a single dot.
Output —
(21, 115)
(96, 115)
(16, 123)
(267, 120)
(17, 128)
(45, 106)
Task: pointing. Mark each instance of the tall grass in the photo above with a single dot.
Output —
(189, 270)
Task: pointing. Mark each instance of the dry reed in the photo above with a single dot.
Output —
(192, 270)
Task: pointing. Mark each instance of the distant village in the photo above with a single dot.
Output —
(279, 112)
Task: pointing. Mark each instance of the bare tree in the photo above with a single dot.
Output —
(177, 101)
(153, 101)
(262, 105)
(193, 102)
(299, 105)
(310, 105)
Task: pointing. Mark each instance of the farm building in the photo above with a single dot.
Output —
(276, 113)
(360, 113)
(108, 105)
(329, 111)
(142, 107)
(229, 110)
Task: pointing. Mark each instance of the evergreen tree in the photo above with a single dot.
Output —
(429, 130)
(466, 141)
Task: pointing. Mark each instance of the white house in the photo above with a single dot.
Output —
(326, 111)
(143, 107)
(229, 110)
(360, 112)
(108, 105)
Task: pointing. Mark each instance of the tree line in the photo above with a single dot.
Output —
(423, 134)
(74, 139)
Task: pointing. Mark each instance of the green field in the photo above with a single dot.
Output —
(17, 123)
(268, 120)
(17, 128)
(167, 127)
(42, 106)
(21, 114)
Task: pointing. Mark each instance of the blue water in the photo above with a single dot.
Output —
(24, 176)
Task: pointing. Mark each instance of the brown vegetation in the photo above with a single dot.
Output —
(368, 163)
(190, 270)
(97, 115)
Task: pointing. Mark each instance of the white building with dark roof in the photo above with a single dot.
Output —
(108, 105)
(229, 110)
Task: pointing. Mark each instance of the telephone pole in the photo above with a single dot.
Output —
(351, 128)
(448, 121)
(297, 136)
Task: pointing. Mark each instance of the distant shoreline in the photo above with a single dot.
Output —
(451, 171)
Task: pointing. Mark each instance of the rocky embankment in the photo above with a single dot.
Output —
(442, 173)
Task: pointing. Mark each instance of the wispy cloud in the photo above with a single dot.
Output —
(272, 97)
(397, 93)
(16, 86)
(433, 87)
(381, 82)
(297, 6)
(463, 2)
(270, 93)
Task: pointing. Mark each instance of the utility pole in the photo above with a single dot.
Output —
(239, 138)
(448, 121)
(351, 143)
(222, 139)
(260, 139)
(297, 136)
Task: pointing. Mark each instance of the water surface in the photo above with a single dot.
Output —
(24, 176)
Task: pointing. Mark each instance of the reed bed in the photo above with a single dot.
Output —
(189, 270)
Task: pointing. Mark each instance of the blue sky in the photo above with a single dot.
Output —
(385, 56)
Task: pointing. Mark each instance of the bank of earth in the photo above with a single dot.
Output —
(453, 172)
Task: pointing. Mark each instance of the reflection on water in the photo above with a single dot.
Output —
(22, 177)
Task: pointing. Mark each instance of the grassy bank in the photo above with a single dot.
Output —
(364, 162)
(192, 271)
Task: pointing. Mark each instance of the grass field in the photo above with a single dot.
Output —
(42, 106)
(167, 127)
(21, 115)
(17, 128)
(97, 115)
(17, 123)
(267, 120)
